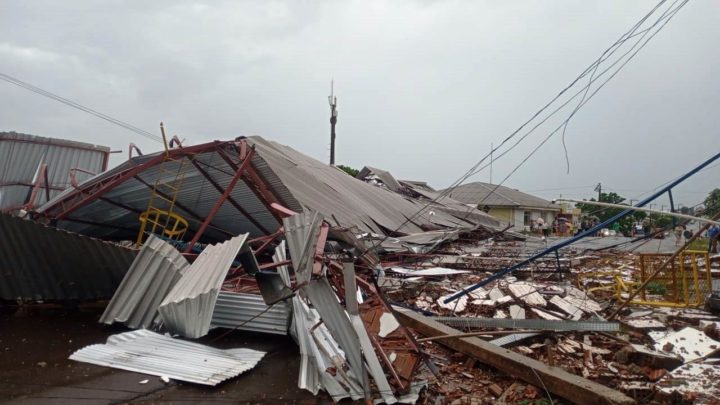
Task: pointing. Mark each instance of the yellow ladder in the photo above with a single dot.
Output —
(160, 217)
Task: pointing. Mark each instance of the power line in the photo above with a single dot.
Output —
(79, 106)
(666, 16)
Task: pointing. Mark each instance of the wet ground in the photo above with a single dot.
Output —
(35, 344)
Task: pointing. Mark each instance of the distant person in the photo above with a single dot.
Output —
(713, 234)
(678, 234)
(687, 234)
(540, 225)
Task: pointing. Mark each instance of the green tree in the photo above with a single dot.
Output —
(349, 170)
(712, 203)
(603, 213)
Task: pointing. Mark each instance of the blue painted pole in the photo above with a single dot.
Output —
(582, 235)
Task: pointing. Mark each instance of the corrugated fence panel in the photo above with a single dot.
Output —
(43, 263)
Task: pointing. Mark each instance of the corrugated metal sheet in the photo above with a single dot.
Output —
(187, 309)
(43, 263)
(320, 353)
(301, 233)
(325, 302)
(152, 275)
(368, 351)
(151, 353)
(21, 156)
(233, 309)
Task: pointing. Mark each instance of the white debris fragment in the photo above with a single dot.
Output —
(517, 312)
(574, 312)
(527, 294)
(689, 343)
(388, 324)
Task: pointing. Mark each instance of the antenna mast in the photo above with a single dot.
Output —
(333, 119)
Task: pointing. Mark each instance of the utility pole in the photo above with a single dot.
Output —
(333, 119)
(598, 188)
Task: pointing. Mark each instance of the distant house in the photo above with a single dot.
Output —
(506, 204)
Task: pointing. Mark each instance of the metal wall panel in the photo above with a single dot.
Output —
(21, 156)
(43, 263)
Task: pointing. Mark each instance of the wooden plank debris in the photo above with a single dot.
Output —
(558, 381)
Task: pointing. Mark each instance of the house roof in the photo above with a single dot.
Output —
(498, 196)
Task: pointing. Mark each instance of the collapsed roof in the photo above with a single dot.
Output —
(108, 205)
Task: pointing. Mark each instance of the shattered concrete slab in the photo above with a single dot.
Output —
(688, 343)
(695, 380)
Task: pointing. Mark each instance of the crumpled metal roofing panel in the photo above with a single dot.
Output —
(325, 302)
(151, 353)
(38, 262)
(187, 309)
(301, 233)
(154, 272)
(21, 156)
(233, 309)
(343, 198)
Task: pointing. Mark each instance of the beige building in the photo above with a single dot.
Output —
(508, 205)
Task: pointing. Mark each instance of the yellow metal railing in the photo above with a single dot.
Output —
(684, 283)
(160, 217)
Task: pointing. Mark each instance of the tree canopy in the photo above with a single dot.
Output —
(603, 213)
(712, 203)
(349, 170)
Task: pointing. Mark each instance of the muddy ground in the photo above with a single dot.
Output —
(34, 368)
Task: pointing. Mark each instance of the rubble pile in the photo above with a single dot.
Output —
(391, 293)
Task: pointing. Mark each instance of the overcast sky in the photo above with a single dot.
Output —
(423, 87)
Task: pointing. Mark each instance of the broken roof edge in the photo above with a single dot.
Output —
(12, 136)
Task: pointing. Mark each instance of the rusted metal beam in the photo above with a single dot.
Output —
(90, 192)
(253, 180)
(556, 380)
(230, 199)
(211, 215)
(268, 242)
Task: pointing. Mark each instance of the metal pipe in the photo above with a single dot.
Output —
(672, 214)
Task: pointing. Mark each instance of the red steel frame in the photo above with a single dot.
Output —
(244, 170)
(238, 174)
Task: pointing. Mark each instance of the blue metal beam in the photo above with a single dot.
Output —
(582, 235)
